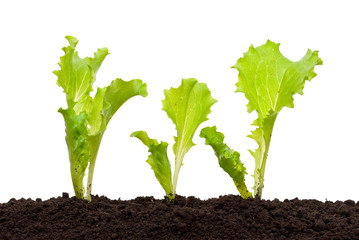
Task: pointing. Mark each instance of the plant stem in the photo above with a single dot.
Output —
(259, 171)
(178, 164)
(93, 155)
(78, 185)
(89, 181)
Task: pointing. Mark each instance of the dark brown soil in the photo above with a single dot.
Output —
(227, 217)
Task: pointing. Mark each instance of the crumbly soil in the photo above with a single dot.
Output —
(226, 217)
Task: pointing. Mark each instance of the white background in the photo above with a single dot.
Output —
(313, 152)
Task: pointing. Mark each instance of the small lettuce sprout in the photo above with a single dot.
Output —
(86, 118)
(187, 106)
(269, 81)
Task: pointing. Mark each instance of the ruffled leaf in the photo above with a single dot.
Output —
(228, 159)
(187, 106)
(158, 160)
(269, 81)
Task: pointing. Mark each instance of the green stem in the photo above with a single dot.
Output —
(96, 140)
(266, 129)
(178, 163)
(77, 183)
(89, 180)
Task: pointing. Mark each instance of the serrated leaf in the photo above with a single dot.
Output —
(77, 74)
(228, 159)
(158, 160)
(187, 106)
(119, 92)
(269, 81)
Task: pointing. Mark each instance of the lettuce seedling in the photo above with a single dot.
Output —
(187, 106)
(86, 118)
(269, 81)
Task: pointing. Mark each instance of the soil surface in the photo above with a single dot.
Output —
(226, 217)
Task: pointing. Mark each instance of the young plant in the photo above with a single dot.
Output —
(187, 106)
(86, 118)
(269, 81)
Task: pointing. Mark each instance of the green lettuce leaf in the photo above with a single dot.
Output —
(187, 106)
(158, 160)
(119, 92)
(228, 159)
(86, 118)
(78, 147)
(269, 81)
(77, 75)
